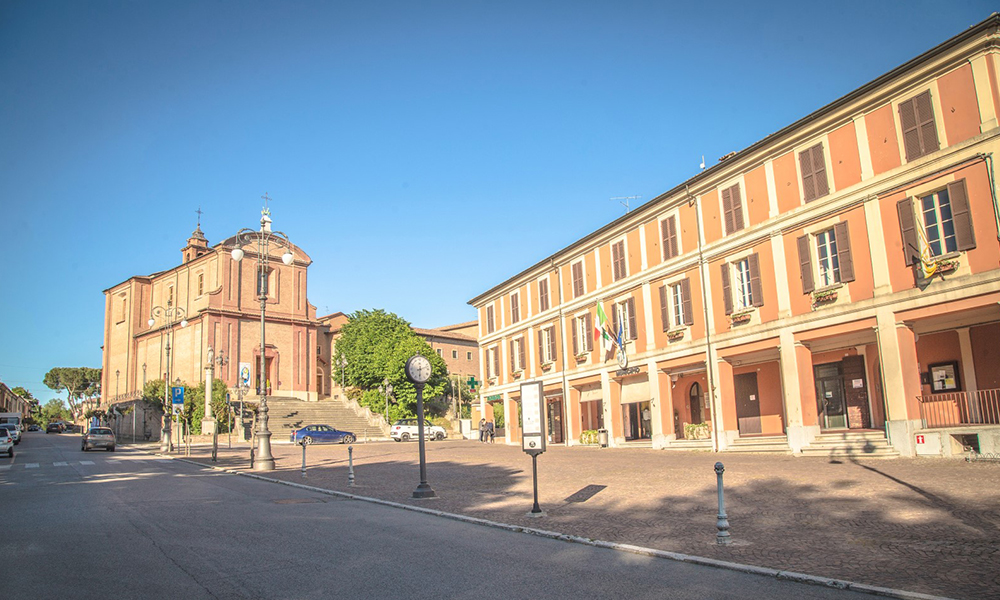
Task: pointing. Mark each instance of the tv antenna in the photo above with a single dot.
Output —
(623, 200)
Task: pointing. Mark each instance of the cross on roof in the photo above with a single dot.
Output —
(199, 216)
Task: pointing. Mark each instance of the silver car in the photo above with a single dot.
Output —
(99, 437)
(15, 432)
(6, 442)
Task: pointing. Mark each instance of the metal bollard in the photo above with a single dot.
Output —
(303, 442)
(721, 538)
(350, 466)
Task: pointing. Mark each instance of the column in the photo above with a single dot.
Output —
(969, 383)
(662, 406)
(799, 392)
(898, 354)
(208, 423)
(724, 423)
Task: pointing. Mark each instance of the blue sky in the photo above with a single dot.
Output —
(478, 136)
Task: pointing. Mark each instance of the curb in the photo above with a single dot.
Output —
(841, 584)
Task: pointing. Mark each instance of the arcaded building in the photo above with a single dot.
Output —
(833, 288)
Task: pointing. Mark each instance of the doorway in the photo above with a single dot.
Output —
(694, 395)
(636, 418)
(267, 379)
(747, 403)
(856, 393)
(830, 396)
(555, 420)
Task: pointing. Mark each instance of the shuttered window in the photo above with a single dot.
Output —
(678, 305)
(813, 167)
(577, 269)
(745, 290)
(686, 302)
(520, 352)
(827, 258)
(588, 328)
(543, 295)
(664, 314)
(547, 344)
(732, 209)
(668, 229)
(489, 319)
(945, 223)
(581, 334)
(916, 118)
(517, 354)
(625, 311)
(515, 308)
(618, 260)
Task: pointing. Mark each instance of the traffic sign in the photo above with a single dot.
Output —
(177, 394)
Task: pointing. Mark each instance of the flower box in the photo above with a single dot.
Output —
(696, 431)
(676, 334)
(741, 318)
(517, 374)
(582, 356)
(947, 266)
(547, 366)
(824, 297)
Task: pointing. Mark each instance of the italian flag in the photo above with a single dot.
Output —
(601, 329)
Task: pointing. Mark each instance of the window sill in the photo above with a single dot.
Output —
(582, 356)
(742, 316)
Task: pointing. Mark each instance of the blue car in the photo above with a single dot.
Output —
(322, 434)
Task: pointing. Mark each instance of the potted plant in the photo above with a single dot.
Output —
(823, 297)
(676, 334)
(696, 431)
(741, 317)
(589, 437)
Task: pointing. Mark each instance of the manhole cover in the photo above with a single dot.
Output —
(298, 501)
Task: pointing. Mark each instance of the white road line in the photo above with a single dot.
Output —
(31, 465)
(86, 462)
(5, 467)
(60, 464)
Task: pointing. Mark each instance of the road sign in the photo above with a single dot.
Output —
(177, 394)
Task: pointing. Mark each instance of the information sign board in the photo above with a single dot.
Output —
(533, 418)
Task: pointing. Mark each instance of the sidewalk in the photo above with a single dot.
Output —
(923, 525)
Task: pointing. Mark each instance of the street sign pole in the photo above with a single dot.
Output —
(533, 432)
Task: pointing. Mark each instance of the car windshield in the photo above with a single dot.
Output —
(100, 431)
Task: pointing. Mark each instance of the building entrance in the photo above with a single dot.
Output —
(555, 420)
(747, 403)
(637, 421)
(830, 399)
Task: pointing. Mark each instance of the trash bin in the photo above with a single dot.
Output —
(602, 437)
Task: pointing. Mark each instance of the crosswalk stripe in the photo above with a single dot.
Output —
(5, 467)
(60, 464)
(31, 465)
(86, 462)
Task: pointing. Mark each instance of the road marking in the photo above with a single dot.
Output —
(60, 464)
(5, 467)
(31, 465)
(86, 462)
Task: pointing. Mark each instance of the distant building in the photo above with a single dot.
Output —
(11, 402)
(832, 289)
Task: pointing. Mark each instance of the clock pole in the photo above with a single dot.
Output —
(424, 489)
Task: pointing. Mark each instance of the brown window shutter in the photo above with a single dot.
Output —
(577, 279)
(512, 356)
(924, 109)
(543, 295)
(686, 301)
(496, 361)
(908, 230)
(727, 294)
(552, 342)
(515, 308)
(618, 258)
(727, 209)
(843, 237)
(755, 287)
(911, 134)
(737, 208)
(808, 180)
(805, 264)
(822, 187)
(576, 342)
(669, 238)
(588, 327)
(633, 331)
(664, 317)
(958, 194)
(541, 347)
(520, 351)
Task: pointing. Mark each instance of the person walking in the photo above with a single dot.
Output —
(491, 430)
(482, 430)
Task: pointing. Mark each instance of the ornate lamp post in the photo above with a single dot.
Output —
(264, 461)
(172, 315)
(386, 388)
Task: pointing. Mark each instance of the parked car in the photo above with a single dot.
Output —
(53, 428)
(99, 437)
(15, 432)
(322, 434)
(34, 428)
(405, 429)
(6, 443)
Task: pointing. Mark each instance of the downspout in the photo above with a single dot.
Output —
(988, 158)
(565, 360)
(708, 335)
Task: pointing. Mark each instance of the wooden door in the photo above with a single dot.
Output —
(747, 403)
(856, 392)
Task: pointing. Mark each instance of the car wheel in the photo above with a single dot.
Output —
(349, 439)
(84, 448)
(111, 449)
(307, 440)
(439, 436)
(396, 440)
(10, 453)
(405, 437)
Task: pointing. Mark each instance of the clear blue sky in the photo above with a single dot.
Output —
(481, 136)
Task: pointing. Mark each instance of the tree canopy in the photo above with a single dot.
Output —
(376, 345)
(54, 410)
(79, 383)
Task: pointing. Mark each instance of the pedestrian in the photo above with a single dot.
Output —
(491, 428)
(482, 430)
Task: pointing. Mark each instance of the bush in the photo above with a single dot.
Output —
(589, 437)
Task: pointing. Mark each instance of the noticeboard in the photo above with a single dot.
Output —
(533, 418)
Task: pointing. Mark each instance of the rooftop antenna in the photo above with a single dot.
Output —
(623, 200)
(702, 162)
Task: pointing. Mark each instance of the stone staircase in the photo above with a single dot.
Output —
(851, 444)
(767, 444)
(690, 445)
(286, 414)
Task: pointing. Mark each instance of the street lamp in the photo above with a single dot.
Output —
(386, 388)
(171, 315)
(264, 238)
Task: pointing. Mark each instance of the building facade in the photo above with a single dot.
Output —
(11, 402)
(208, 306)
(838, 280)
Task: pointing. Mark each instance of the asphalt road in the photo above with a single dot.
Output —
(128, 525)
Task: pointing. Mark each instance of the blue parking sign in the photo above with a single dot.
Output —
(177, 394)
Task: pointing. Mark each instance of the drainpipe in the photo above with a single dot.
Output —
(988, 158)
(708, 336)
(565, 381)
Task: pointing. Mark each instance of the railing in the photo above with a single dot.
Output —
(977, 407)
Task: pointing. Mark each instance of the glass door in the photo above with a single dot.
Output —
(830, 396)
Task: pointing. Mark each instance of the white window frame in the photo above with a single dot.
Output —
(677, 304)
(741, 289)
(623, 318)
(547, 357)
(939, 223)
(584, 341)
(826, 269)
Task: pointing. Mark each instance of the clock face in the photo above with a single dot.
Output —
(622, 358)
(418, 369)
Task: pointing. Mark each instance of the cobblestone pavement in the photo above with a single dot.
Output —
(922, 525)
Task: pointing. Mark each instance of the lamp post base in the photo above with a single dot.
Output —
(165, 441)
(264, 460)
(424, 491)
(209, 426)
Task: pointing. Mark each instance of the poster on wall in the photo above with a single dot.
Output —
(245, 374)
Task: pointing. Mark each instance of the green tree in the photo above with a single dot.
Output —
(54, 410)
(79, 383)
(376, 345)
